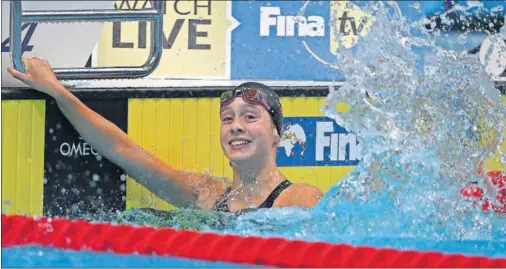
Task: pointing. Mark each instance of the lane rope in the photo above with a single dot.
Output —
(126, 239)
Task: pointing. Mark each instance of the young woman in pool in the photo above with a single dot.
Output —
(251, 122)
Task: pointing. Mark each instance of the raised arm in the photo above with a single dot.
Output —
(175, 186)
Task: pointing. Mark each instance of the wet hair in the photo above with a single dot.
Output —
(270, 98)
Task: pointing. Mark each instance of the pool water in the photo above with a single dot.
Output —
(45, 257)
(35, 256)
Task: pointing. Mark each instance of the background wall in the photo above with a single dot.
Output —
(47, 169)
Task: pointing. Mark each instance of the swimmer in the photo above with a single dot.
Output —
(251, 127)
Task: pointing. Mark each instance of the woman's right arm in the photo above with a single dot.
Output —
(170, 184)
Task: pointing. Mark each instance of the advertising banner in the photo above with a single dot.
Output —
(196, 40)
(297, 40)
(316, 141)
(278, 40)
(240, 40)
(77, 179)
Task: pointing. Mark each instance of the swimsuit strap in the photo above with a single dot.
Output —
(222, 202)
(274, 194)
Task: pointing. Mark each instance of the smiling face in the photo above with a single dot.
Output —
(247, 132)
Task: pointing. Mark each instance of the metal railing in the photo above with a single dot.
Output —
(155, 16)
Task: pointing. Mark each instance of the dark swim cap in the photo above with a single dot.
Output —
(271, 98)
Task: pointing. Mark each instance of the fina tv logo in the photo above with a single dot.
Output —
(311, 26)
(317, 141)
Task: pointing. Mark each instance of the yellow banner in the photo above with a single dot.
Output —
(196, 39)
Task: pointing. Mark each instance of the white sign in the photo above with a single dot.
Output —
(64, 45)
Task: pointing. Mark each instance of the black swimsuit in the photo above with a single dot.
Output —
(222, 203)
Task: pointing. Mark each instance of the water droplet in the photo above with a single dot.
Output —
(75, 191)
(74, 208)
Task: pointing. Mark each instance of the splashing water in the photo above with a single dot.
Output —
(446, 118)
(425, 129)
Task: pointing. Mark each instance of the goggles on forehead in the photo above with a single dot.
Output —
(250, 96)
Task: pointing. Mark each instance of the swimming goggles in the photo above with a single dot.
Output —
(250, 96)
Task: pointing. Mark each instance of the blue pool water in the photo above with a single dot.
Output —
(45, 257)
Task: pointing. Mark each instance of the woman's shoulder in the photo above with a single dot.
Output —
(301, 195)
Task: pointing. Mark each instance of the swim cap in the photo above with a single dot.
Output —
(271, 98)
